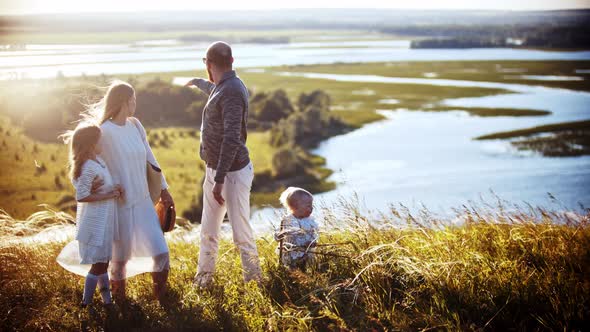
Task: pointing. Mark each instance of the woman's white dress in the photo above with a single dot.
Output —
(96, 222)
(140, 238)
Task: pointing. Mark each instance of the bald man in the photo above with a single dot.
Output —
(229, 171)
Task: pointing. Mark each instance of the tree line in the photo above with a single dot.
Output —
(526, 36)
(47, 108)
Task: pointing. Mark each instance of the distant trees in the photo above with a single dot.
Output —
(304, 125)
(317, 98)
(470, 36)
(458, 43)
(47, 110)
(270, 107)
(308, 125)
(50, 109)
(285, 163)
(162, 104)
(559, 37)
(292, 130)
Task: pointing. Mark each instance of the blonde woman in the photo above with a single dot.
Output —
(141, 246)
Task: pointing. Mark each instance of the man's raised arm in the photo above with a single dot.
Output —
(202, 84)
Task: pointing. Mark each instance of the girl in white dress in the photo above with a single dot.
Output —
(141, 246)
(95, 214)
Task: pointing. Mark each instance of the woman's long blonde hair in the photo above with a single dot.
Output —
(82, 146)
(117, 94)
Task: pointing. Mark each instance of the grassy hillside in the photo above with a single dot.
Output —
(35, 172)
(32, 172)
(496, 270)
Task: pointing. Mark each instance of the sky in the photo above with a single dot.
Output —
(10, 7)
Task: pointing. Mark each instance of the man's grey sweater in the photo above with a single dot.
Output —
(223, 128)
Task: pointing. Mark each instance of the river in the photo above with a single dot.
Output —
(419, 158)
(46, 61)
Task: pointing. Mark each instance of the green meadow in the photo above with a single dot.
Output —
(35, 173)
(487, 71)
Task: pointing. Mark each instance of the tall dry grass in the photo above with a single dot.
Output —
(494, 267)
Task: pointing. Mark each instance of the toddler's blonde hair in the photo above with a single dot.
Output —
(292, 195)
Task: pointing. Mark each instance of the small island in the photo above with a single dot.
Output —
(566, 139)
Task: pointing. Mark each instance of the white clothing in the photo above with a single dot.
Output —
(141, 240)
(93, 218)
(299, 237)
(126, 151)
(236, 192)
(96, 222)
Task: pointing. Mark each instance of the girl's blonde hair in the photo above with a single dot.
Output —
(291, 195)
(82, 145)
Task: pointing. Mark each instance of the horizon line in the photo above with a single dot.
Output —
(298, 9)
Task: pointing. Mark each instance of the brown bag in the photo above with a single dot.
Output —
(167, 216)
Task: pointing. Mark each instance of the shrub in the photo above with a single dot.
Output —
(317, 99)
(285, 162)
(271, 107)
(57, 181)
(41, 169)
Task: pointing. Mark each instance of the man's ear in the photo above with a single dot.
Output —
(232, 60)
